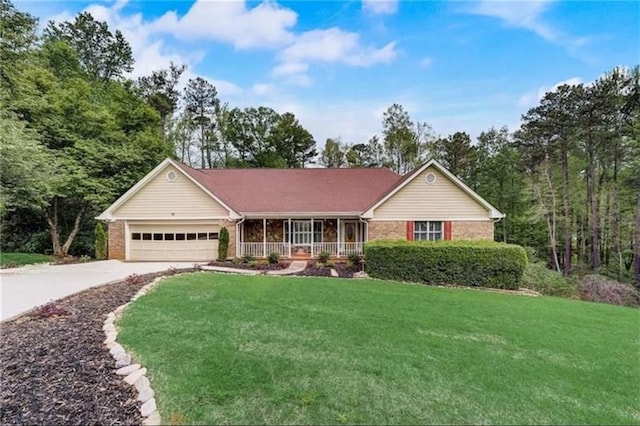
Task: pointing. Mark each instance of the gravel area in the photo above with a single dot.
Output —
(55, 369)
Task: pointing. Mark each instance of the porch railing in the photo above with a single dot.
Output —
(338, 249)
(258, 249)
(334, 249)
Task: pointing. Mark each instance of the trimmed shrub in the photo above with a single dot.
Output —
(101, 241)
(248, 258)
(223, 244)
(274, 257)
(539, 278)
(597, 288)
(324, 256)
(470, 263)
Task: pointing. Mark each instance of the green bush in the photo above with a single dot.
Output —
(354, 257)
(539, 278)
(248, 258)
(101, 241)
(471, 263)
(274, 257)
(223, 244)
(324, 256)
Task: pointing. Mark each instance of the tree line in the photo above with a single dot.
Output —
(568, 177)
(77, 133)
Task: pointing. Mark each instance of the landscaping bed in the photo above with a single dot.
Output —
(253, 265)
(318, 269)
(54, 367)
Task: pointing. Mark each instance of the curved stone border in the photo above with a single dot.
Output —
(133, 374)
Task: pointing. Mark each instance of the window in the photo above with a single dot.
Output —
(157, 237)
(317, 231)
(213, 235)
(301, 230)
(430, 231)
(180, 237)
(146, 237)
(168, 237)
(191, 237)
(135, 236)
(202, 236)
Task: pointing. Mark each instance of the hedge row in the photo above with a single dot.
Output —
(470, 263)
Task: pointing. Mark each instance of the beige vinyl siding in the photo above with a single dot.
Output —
(443, 200)
(160, 198)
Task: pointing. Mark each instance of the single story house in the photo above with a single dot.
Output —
(176, 212)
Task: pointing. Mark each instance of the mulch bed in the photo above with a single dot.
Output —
(313, 271)
(257, 267)
(55, 369)
(344, 271)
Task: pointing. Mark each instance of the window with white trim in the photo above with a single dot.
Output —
(427, 231)
(301, 231)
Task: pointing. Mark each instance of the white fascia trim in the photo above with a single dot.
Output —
(493, 212)
(434, 219)
(107, 215)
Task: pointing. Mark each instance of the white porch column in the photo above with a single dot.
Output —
(339, 239)
(289, 240)
(264, 237)
(311, 237)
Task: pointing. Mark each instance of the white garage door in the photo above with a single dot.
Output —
(173, 242)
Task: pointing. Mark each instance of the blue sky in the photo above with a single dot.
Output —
(459, 66)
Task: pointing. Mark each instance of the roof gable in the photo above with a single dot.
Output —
(409, 178)
(207, 202)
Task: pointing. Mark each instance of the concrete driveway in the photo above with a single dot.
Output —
(22, 289)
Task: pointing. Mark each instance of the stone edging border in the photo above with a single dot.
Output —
(133, 374)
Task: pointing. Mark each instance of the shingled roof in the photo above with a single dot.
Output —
(290, 191)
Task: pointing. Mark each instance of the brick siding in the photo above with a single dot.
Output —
(116, 240)
(472, 230)
(383, 230)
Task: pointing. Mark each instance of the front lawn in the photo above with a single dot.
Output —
(20, 259)
(254, 350)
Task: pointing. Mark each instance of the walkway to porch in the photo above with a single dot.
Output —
(301, 238)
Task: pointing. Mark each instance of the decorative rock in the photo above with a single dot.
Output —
(142, 383)
(110, 345)
(334, 273)
(111, 315)
(153, 419)
(125, 371)
(109, 327)
(148, 407)
(123, 360)
(131, 378)
(116, 349)
(146, 394)
(111, 337)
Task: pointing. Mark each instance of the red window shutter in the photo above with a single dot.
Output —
(447, 230)
(409, 231)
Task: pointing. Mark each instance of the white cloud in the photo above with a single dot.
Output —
(336, 45)
(518, 14)
(380, 7)
(290, 68)
(263, 26)
(532, 98)
(426, 62)
(262, 89)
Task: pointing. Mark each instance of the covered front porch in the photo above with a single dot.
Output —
(301, 238)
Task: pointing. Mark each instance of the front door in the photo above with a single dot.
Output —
(350, 232)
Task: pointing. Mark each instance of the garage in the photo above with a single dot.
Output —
(179, 242)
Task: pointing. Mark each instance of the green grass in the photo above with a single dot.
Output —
(247, 350)
(19, 259)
